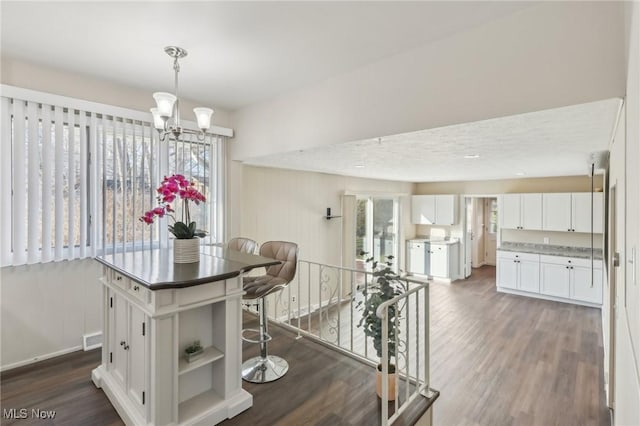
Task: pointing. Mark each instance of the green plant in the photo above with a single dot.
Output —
(194, 347)
(386, 285)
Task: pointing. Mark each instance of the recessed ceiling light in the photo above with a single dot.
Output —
(471, 156)
(520, 174)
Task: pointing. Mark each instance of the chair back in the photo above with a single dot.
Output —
(244, 245)
(284, 251)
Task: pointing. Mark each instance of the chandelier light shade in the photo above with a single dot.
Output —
(166, 115)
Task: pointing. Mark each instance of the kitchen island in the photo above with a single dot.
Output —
(153, 309)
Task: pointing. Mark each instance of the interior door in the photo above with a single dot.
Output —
(491, 230)
(468, 236)
(478, 232)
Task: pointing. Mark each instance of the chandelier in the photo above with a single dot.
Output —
(166, 115)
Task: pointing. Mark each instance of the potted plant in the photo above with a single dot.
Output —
(186, 248)
(193, 351)
(386, 285)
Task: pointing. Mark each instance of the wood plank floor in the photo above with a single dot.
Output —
(497, 359)
(501, 359)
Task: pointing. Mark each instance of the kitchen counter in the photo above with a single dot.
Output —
(155, 269)
(550, 250)
(435, 240)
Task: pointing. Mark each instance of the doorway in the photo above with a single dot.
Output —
(377, 228)
(481, 232)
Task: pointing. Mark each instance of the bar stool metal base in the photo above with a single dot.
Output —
(264, 370)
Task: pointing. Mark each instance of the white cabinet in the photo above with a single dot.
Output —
(518, 271)
(570, 212)
(416, 255)
(442, 260)
(127, 346)
(569, 277)
(521, 211)
(580, 216)
(434, 209)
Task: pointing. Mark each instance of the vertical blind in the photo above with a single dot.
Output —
(74, 182)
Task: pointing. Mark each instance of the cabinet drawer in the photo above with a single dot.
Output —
(119, 280)
(564, 260)
(513, 255)
(139, 291)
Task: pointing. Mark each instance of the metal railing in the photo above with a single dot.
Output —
(322, 303)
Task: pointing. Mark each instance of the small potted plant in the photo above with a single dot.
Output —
(186, 247)
(193, 351)
(386, 285)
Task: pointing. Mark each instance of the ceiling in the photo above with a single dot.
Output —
(247, 53)
(554, 142)
(240, 53)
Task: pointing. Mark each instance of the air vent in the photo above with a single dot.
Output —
(92, 341)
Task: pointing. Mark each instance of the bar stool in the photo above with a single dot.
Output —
(267, 368)
(241, 244)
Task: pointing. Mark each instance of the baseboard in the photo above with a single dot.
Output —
(39, 358)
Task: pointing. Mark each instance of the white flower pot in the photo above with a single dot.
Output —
(186, 251)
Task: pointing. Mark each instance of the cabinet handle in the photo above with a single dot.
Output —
(136, 288)
(118, 278)
(126, 347)
(122, 343)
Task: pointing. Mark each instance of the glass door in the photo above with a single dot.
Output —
(377, 229)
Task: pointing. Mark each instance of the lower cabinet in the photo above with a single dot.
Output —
(518, 271)
(571, 278)
(128, 351)
(562, 278)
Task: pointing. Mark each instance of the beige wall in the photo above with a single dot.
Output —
(32, 76)
(290, 205)
(506, 186)
(46, 308)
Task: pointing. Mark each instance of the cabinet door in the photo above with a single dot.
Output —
(446, 212)
(581, 288)
(531, 206)
(554, 279)
(439, 261)
(417, 256)
(137, 358)
(580, 211)
(556, 212)
(507, 273)
(423, 209)
(510, 211)
(529, 276)
(119, 320)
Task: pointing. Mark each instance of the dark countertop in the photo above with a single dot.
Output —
(155, 269)
(547, 249)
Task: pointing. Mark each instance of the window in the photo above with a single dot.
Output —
(82, 173)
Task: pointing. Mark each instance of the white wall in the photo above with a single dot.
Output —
(627, 348)
(505, 67)
(46, 308)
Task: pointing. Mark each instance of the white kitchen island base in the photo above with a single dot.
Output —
(153, 310)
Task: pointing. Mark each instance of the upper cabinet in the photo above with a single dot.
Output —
(434, 209)
(570, 212)
(521, 211)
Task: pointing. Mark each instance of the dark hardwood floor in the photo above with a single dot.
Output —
(497, 359)
(62, 384)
